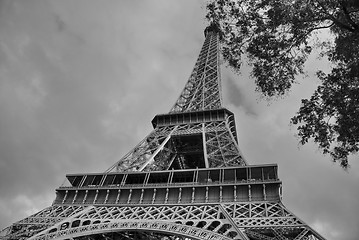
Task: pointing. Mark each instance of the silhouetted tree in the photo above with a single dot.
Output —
(277, 37)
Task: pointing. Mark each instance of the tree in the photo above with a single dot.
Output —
(277, 36)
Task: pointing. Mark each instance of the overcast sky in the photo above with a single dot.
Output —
(80, 82)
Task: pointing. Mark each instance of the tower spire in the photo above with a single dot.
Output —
(203, 88)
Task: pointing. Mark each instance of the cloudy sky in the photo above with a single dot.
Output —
(81, 80)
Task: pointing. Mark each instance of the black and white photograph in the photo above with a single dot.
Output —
(179, 119)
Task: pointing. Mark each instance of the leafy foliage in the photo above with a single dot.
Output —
(277, 36)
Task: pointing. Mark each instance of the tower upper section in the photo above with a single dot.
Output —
(198, 132)
(203, 88)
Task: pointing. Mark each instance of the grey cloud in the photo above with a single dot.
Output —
(61, 25)
(237, 97)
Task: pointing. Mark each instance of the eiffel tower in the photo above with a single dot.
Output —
(186, 180)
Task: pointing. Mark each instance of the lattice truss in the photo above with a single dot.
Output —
(249, 220)
(40, 221)
(222, 149)
(202, 90)
(164, 147)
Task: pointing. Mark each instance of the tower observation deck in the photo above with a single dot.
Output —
(187, 179)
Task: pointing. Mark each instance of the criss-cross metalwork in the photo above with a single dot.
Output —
(187, 179)
(202, 90)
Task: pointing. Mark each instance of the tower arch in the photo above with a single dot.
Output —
(160, 227)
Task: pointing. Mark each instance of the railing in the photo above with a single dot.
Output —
(175, 184)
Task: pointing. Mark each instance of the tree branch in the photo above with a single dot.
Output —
(347, 15)
(322, 27)
(334, 19)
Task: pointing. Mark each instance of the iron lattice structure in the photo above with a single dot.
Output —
(186, 180)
